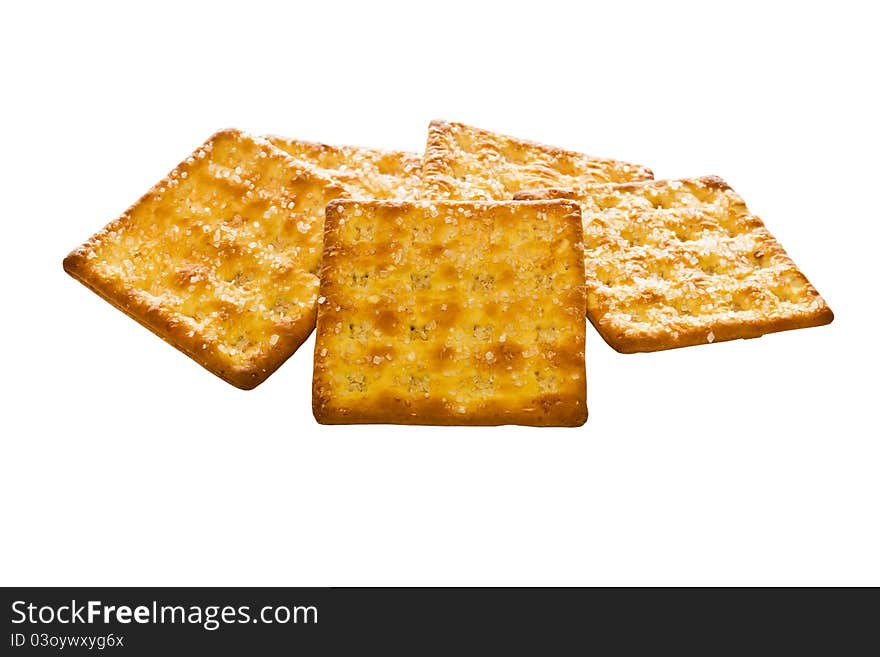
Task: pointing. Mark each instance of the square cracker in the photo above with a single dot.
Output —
(451, 313)
(674, 263)
(462, 162)
(220, 258)
(367, 173)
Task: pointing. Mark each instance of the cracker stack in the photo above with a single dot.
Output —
(453, 288)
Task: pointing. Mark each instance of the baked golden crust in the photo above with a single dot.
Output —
(220, 258)
(674, 263)
(463, 162)
(367, 173)
(451, 313)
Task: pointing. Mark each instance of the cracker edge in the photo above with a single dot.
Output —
(721, 331)
(379, 152)
(436, 174)
(559, 416)
(164, 324)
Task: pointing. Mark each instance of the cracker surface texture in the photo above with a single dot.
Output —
(367, 173)
(451, 313)
(463, 162)
(220, 258)
(675, 263)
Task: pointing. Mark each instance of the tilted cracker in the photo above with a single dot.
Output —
(673, 263)
(220, 258)
(451, 313)
(367, 173)
(463, 162)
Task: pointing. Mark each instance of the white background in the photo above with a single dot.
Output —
(750, 462)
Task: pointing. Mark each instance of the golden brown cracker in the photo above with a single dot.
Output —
(463, 162)
(219, 258)
(451, 313)
(674, 263)
(367, 173)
